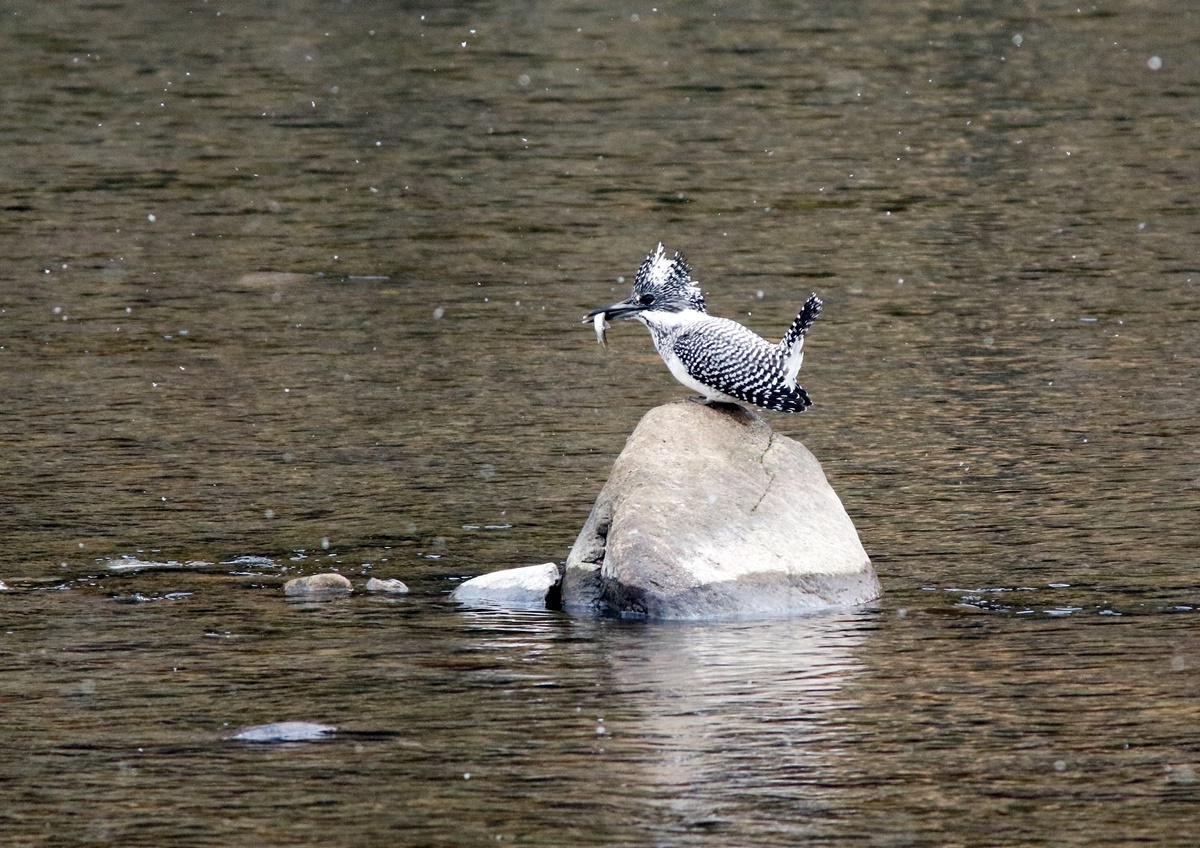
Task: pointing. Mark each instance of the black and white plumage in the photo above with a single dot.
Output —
(716, 357)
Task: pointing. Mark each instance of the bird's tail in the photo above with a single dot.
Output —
(791, 349)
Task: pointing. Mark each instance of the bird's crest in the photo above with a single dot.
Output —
(667, 283)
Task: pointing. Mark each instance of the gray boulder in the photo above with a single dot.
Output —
(709, 513)
(533, 586)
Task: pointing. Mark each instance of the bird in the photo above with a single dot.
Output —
(719, 358)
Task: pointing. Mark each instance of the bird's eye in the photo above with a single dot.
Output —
(646, 299)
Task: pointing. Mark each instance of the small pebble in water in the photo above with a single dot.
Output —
(318, 584)
(388, 587)
(285, 731)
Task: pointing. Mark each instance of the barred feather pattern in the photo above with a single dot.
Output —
(728, 362)
(791, 348)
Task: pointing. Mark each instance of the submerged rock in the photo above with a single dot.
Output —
(129, 563)
(285, 731)
(318, 584)
(709, 513)
(271, 279)
(390, 587)
(531, 586)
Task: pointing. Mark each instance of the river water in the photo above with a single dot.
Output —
(296, 287)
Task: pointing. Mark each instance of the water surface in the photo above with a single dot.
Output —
(296, 287)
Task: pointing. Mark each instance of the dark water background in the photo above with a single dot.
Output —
(287, 287)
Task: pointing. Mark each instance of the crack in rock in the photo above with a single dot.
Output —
(770, 474)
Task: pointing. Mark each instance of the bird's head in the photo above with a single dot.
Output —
(662, 284)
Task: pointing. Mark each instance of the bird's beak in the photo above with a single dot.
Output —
(617, 310)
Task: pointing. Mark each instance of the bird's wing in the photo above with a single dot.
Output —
(727, 357)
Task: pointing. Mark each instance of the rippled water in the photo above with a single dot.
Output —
(296, 287)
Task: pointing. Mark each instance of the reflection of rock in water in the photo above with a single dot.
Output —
(735, 720)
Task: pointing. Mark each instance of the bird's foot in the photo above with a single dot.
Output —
(734, 410)
(715, 404)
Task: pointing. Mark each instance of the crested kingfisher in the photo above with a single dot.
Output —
(716, 357)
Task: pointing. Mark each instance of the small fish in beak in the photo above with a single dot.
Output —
(599, 317)
(601, 324)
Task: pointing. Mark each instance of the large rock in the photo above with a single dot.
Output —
(708, 513)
